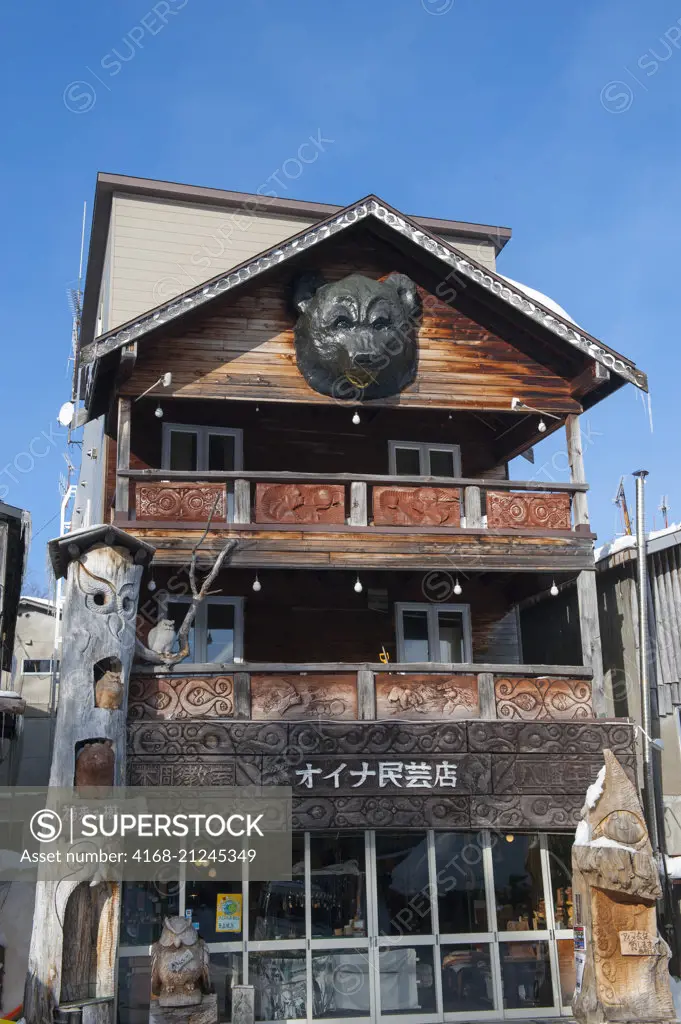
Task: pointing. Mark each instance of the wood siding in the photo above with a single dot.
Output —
(244, 349)
(161, 249)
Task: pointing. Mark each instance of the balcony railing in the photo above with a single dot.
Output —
(343, 499)
(393, 692)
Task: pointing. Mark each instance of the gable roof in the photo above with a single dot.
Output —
(406, 233)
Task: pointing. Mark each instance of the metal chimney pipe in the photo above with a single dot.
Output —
(644, 659)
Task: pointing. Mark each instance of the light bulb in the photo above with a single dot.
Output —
(151, 585)
(358, 586)
(355, 417)
(257, 585)
(158, 412)
(554, 589)
(541, 427)
(457, 588)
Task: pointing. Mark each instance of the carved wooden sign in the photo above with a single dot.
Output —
(638, 943)
(298, 696)
(510, 510)
(543, 698)
(426, 696)
(412, 774)
(417, 506)
(300, 503)
(181, 502)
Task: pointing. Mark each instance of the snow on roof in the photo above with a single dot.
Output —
(538, 296)
(655, 537)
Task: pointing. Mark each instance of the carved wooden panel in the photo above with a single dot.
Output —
(299, 697)
(417, 506)
(535, 773)
(189, 502)
(360, 812)
(543, 697)
(426, 696)
(300, 503)
(550, 737)
(169, 697)
(510, 510)
(514, 812)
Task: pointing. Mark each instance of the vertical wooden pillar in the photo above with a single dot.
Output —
(242, 501)
(103, 567)
(366, 694)
(488, 705)
(587, 597)
(359, 509)
(472, 502)
(123, 457)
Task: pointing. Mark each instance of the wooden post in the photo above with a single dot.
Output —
(358, 504)
(472, 500)
(103, 568)
(123, 457)
(242, 501)
(488, 704)
(242, 695)
(587, 597)
(366, 694)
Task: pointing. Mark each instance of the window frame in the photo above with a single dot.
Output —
(424, 448)
(432, 609)
(201, 626)
(202, 434)
(51, 662)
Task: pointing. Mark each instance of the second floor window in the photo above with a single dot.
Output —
(433, 633)
(195, 448)
(217, 631)
(413, 458)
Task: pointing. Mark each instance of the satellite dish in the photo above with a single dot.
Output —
(65, 414)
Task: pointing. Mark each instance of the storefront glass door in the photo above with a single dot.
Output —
(408, 927)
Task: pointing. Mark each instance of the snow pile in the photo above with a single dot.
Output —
(595, 790)
(612, 843)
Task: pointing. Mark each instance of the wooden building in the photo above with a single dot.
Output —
(348, 386)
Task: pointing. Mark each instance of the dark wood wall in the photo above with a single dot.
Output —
(244, 348)
(305, 616)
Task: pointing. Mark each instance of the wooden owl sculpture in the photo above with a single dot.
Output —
(162, 637)
(179, 965)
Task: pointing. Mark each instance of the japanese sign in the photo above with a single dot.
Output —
(390, 774)
(638, 943)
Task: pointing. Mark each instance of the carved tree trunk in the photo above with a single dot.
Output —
(75, 927)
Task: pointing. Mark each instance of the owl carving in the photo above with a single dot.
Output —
(180, 973)
(162, 637)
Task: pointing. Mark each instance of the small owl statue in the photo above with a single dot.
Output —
(179, 965)
(162, 637)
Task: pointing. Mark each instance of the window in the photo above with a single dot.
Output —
(217, 631)
(433, 632)
(38, 666)
(193, 448)
(412, 458)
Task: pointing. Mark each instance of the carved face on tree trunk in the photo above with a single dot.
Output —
(356, 338)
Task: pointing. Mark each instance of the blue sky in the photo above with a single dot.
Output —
(558, 119)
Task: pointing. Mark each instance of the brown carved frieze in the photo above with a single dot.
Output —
(304, 696)
(543, 697)
(426, 696)
(172, 697)
(181, 502)
(417, 506)
(510, 510)
(536, 773)
(300, 503)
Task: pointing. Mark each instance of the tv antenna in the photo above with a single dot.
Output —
(665, 509)
(620, 500)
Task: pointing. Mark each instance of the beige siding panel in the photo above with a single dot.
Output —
(161, 249)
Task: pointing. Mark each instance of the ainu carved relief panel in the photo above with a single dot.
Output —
(181, 502)
(300, 503)
(171, 697)
(543, 697)
(298, 697)
(510, 510)
(426, 696)
(417, 506)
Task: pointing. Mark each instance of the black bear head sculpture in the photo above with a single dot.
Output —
(356, 338)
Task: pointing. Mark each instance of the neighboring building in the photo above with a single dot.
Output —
(36, 680)
(435, 793)
(15, 535)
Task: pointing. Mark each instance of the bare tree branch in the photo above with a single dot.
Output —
(199, 593)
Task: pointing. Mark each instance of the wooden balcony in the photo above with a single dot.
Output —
(393, 692)
(302, 520)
